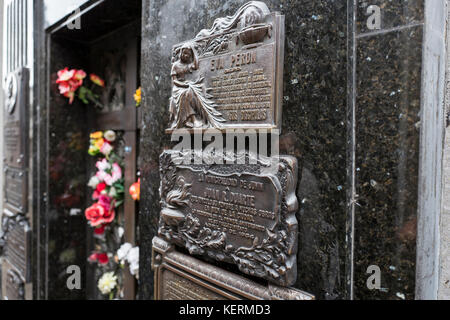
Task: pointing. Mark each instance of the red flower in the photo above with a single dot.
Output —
(65, 75)
(69, 82)
(102, 258)
(105, 202)
(97, 215)
(100, 230)
(97, 80)
(101, 186)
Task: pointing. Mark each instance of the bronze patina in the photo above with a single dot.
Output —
(181, 277)
(230, 76)
(241, 214)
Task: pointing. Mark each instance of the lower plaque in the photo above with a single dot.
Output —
(16, 190)
(181, 277)
(12, 283)
(242, 214)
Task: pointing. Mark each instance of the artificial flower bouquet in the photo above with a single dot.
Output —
(108, 193)
(70, 84)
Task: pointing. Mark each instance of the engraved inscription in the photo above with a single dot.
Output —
(230, 76)
(176, 287)
(15, 120)
(15, 250)
(182, 277)
(238, 215)
(15, 189)
(244, 91)
(233, 205)
(13, 286)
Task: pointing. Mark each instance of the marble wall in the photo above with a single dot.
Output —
(385, 99)
(351, 117)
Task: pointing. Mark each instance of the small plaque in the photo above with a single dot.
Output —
(16, 270)
(15, 119)
(230, 76)
(241, 214)
(16, 190)
(181, 277)
(13, 285)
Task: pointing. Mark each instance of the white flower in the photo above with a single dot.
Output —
(93, 182)
(123, 251)
(112, 192)
(120, 232)
(134, 269)
(103, 165)
(107, 282)
(133, 256)
(110, 135)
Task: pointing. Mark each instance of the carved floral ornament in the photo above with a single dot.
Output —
(192, 103)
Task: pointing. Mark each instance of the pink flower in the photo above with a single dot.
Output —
(103, 165)
(116, 175)
(79, 75)
(101, 175)
(95, 195)
(69, 82)
(106, 149)
(65, 75)
(97, 215)
(105, 202)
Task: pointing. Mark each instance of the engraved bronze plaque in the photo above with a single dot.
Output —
(16, 190)
(241, 214)
(13, 285)
(181, 277)
(230, 76)
(16, 271)
(15, 119)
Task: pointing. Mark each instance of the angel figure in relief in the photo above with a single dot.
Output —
(190, 105)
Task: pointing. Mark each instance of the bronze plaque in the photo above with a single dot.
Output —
(13, 285)
(16, 190)
(16, 270)
(15, 119)
(230, 76)
(241, 214)
(181, 277)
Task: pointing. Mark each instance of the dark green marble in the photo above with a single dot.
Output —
(387, 152)
(394, 13)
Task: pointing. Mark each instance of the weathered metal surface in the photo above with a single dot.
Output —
(15, 190)
(15, 119)
(13, 286)
(230, 76)
(241, 214)
(181, 277)
(16, 270)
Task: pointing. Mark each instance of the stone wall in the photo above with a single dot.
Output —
(444, 268)
(351, 116)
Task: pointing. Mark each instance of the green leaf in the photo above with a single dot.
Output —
(118, 203)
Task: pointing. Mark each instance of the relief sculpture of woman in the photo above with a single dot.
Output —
(190, 105)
